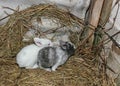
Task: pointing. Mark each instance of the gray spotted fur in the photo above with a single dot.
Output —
(50, 58)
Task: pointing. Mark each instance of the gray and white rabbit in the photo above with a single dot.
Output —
(49, 58)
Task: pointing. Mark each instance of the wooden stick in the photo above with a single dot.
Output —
(94, 16)
(106, 10)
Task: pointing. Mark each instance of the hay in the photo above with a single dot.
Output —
(12, 33)
(76, 72)
(81, 70)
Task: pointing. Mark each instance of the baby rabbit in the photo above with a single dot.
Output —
(27, 57)
(49, 58)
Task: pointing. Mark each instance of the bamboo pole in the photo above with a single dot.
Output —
(105, 13)
(94, 16)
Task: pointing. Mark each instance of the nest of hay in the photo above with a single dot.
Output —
(81, 70)
(12, 33)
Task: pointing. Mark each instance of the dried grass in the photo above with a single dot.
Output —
(81, 70)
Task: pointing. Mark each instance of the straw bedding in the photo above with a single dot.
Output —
(82, 69)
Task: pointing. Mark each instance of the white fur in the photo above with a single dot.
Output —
(43, 41)
(27, 57)
(62, 58)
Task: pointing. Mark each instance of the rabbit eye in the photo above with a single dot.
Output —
(64, 45)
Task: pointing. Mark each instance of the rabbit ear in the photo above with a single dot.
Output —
(37, 41)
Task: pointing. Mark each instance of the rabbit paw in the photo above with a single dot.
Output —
(48, 69)
(53, 68)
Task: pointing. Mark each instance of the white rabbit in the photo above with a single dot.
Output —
(49, 58)
(27, 57)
